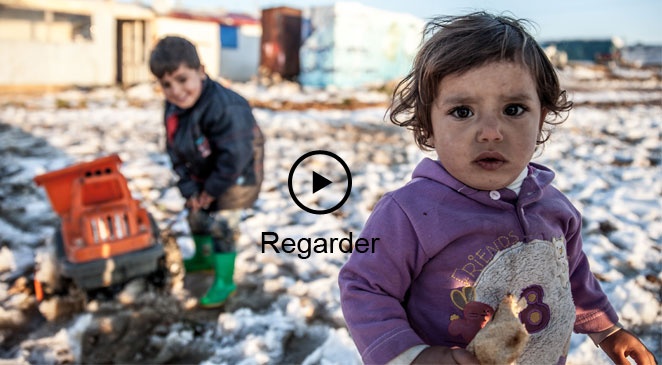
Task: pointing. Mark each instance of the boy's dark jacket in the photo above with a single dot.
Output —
(217, 147)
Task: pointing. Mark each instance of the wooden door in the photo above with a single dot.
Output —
(132, 52)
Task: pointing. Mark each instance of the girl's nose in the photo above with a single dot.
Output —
(489, 131)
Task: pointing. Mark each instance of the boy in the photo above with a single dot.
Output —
(216, 149)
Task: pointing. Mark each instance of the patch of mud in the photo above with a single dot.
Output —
(141, 332)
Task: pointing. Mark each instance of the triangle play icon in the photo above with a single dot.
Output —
(319, 182)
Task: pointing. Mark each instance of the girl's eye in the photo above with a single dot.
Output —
(181, 80)
(461, 112)
(514, 110)
(165, 85)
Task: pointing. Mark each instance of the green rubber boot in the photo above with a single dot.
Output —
(223, 284)
(202, 259)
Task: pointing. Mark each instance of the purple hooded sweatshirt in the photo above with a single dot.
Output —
(447, 255)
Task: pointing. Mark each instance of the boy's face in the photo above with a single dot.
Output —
(183, 86)
(485, 124)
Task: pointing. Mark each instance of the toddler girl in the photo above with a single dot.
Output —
(481, 221)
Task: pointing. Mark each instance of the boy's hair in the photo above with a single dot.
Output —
(456, 44)
(169, 53)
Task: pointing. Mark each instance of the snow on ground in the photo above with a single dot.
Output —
(287, 308)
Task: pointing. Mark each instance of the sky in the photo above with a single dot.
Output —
(633, 20)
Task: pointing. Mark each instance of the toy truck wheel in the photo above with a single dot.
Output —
(58, 297)
(159, 277)
(49, 273)
(169, 274)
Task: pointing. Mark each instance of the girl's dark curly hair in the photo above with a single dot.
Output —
(456, 44)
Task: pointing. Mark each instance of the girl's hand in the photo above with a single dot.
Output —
(446, 355)
(622, 344)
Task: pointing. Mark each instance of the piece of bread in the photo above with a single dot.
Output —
(503, 339)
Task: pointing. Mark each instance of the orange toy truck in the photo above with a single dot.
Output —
(105, 236)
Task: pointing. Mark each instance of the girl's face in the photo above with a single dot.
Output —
(485, 123)
(183, 86)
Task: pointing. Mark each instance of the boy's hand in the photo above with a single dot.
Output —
(205, 200)
(193, 203)
(197, 202)
(446, 355)
(622, 344)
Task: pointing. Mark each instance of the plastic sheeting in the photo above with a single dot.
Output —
(351, 45)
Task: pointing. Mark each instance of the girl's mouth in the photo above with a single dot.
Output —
(490, 160)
